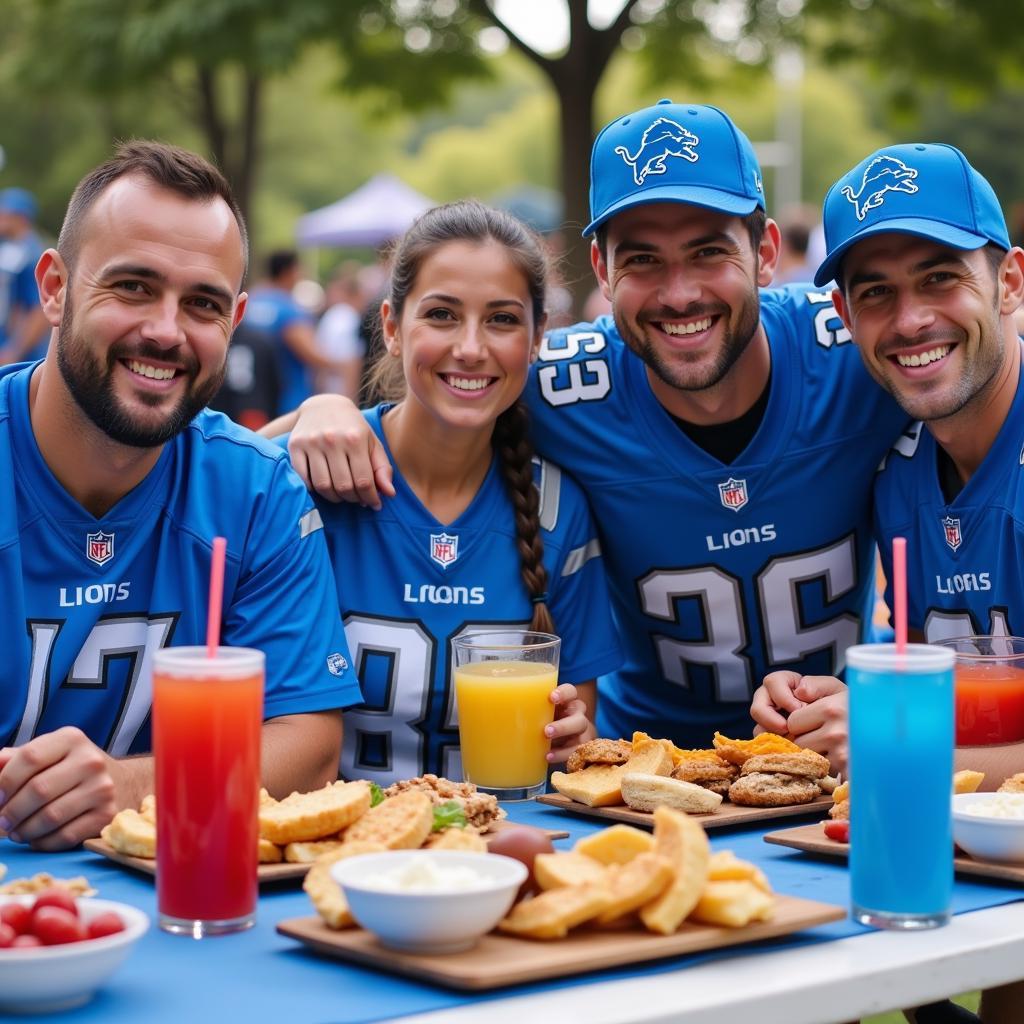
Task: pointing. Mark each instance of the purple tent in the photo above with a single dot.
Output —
(375, 213)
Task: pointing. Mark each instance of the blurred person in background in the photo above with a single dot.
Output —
(24, 332)
(274, 310)
(337, 332)
(795, 225)
(251, 391)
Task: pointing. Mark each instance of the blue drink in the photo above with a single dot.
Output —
(901, 769)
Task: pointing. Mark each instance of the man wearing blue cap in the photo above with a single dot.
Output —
(928, 284)
(726, 439)
(23, 327)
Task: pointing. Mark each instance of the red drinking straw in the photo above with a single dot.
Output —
(899, 591)
(220, 550)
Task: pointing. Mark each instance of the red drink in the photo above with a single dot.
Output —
(989, 703)
(207, 717)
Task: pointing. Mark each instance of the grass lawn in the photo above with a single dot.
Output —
(970, 1001)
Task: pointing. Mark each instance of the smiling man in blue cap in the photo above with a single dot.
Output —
(24, 331)
(928, 284)
(726, 437)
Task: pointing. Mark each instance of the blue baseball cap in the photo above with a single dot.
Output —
(673, 153)
(18, 200)
(921, 189)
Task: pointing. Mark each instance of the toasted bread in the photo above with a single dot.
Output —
(644, 792)
(302, 817)
(401, 822)
(596, 786)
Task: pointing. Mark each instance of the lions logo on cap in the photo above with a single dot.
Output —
(661, 140)
(883, 174)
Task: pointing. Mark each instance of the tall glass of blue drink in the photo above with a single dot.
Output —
(901, 770)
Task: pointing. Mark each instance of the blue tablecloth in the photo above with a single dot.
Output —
(262, 976)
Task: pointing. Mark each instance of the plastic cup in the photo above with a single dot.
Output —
(207, 718)
(503, 683)
(901, 769)
(989, 678)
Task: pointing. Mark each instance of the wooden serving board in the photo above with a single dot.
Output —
(500, 960)
(811, 839)
(282, 871)
(727, 814)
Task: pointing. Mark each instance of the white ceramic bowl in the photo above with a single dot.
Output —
(50, 978)
(444, 920)
(997, 839)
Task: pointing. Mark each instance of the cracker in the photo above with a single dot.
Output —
(737, 751)
(400, 822)
(301, 817)
(679, 839)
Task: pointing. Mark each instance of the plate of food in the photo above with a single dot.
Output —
(991, 816)
(620, 896)
(734, 782)
(295, 831)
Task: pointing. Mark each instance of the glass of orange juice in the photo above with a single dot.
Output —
(989, 689)
(207, 718)
(503, 684)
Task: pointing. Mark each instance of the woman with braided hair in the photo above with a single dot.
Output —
(477, 532)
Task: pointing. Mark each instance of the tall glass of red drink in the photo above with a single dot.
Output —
(207, 716)
(989, 689)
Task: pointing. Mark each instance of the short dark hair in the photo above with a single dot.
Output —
(281, 260)
(171, 167)
(755, 224)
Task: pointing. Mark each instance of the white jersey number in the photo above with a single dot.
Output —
(587, 381)
(400, 723)
(719, 594)
(123, 636)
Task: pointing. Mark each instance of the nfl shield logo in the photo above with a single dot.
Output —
(733, 493)
(99, 547)
(444, 548)
(953, 536)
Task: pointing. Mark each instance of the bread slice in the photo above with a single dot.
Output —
(645, 792)
(596, 786)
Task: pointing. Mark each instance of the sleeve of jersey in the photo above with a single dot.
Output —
(579, 600)
(286, 604)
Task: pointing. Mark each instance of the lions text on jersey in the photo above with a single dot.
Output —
(963, 556)
(409, 585)
(722, 573)
(87, 601)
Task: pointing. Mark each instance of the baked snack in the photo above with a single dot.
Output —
(599, 752)
(967, 781)
(615, 845)
(467, 839)
(401, 822)
(840, 810)
(644, 792)
(679, 839)
(557, 870)
(716, 775)
(772, 789)
(130, 833)
(268, 852)
(301, 817)
(633, 885)
(804, 763)
(732, 904)
(324, 891)
(551, 914)
(1014, 784)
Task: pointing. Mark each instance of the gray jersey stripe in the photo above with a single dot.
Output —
(550, 493)
(579, 557)
(310, 523)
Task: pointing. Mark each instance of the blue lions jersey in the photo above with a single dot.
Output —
(410, 585)
(273, 310)
(964, 556)
(87, 601)
(722, 573)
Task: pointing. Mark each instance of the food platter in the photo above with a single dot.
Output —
(501, 960)
(811, 839)
(269, 873)
(727, 814)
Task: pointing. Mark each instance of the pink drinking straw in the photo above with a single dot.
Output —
(220, 550)
(899, 591)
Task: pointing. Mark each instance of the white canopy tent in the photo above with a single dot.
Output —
(373, 214)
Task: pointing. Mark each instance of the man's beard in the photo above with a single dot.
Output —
(92, 387)
(679, 373)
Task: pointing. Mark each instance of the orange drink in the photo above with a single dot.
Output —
(207, 718)
(503, 684)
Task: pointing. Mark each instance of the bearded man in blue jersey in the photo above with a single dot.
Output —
(726, 437)
(113, 483)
